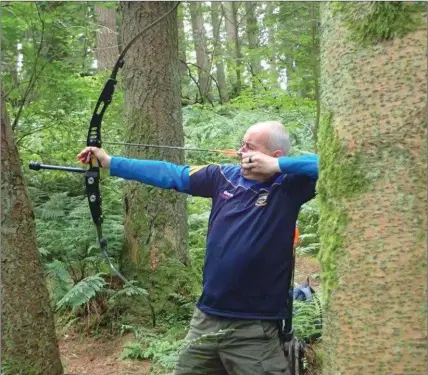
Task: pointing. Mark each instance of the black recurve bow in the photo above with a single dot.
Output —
(92, 174)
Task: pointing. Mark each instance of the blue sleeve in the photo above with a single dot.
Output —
(306, 165)
(152, 172)
(301, 176)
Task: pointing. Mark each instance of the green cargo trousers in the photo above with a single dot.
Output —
(225, 346)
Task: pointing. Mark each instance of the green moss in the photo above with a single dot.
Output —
(342, 176)
(372, 22)
(18, 366)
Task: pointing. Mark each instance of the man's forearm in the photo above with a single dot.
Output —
(152, 172)
(304, 164)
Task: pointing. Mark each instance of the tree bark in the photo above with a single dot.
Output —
(182, 43)
(270, 25)
(372, 187)
(253, 33)
(202, 57)
(314, 57)
(28, 341)
(234, 46)
(155, 219)
(218, 55)
(107, 50)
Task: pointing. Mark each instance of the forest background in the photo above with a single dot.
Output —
(345, 79)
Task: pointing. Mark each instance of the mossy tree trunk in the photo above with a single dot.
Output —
(28, 341)
(155, 219)
(372, 186)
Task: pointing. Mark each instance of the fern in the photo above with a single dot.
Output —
(129, 291)
(307, 317)
(60, 279)
(133, 351)
(82, 292)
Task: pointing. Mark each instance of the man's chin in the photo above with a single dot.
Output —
(254, 176)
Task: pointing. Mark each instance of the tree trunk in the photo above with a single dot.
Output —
(182, 44)
(270, 25)
(314, 58)
(230, 11)
(253, 38)
(155, 219)
(202, 57)
(372, 186)
(28, 341)
(218, 54)
(107, 50)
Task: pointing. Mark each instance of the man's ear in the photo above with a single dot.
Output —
(278, 153)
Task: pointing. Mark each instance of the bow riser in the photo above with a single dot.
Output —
(94, 131)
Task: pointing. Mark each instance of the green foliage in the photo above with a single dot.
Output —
(373, 21)
(17, 367)
(82, 292)
(308, 227)
(297, 40)
(161, 348)
(64, 234)
(62, 88)
(307, 317)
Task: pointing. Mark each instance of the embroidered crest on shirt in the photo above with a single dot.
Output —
(262, 199)
(226, 195)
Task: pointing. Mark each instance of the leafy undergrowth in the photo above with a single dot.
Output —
(135, 349)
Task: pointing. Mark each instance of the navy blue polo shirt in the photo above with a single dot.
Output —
(250, 235)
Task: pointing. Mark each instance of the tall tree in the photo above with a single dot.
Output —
(28, 341)
(155, 219)
(253, 33)
(201, 49)
(298, 43)
(230, 10)
(107, 49)
(182, 48)
(218, 55)
(372, 144)
(269, 22)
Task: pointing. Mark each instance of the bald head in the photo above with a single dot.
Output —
(276, 137)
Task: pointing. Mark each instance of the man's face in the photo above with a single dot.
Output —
(255, 140)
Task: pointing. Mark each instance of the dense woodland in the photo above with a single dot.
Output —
(348, 80)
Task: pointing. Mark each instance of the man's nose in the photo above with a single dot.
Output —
(242, 149)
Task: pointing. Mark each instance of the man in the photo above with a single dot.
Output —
(249, 247)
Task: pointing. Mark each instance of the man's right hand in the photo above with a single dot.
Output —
(85, 156)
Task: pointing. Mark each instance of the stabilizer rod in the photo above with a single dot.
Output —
(36, 166)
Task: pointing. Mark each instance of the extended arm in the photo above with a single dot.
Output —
(152, 172)
(197, 180)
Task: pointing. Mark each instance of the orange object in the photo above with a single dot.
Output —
(226, 152)
(296, 236)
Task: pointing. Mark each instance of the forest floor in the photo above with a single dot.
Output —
(307, 266)
(87, 355)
